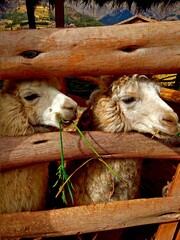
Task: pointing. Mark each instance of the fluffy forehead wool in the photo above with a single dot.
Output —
(111, 84)
(124, 80)
(11, 86)
(133, 84)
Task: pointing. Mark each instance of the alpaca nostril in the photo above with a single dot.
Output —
(71, 109)
(71, 106)
(170, 119)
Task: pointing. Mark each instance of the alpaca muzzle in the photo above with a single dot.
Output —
(170, 125)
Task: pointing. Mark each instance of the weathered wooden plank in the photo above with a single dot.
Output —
(91, 51)
(174, 190)
(91, 218)
(166, 231)
(170, 95)
(178, 235)
(19, 151)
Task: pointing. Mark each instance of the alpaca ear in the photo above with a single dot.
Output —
(143, 77)
(56, 82)
(140, 77)
(86, 120)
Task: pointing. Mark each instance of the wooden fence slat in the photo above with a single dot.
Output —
(178, 235)
(170, 95)
(91, 218)
(166, 231)
(44, 147)
(91, 51)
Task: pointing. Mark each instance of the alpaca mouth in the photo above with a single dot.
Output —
(51, 128)
(66, 121)
(161, 134)
(165, 134)
(46, 128)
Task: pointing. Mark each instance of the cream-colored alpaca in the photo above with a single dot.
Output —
(28, 107)
(128, 103)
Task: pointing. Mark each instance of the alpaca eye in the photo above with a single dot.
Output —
(31, 97)
(128, 100)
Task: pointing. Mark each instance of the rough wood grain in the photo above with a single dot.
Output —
(178, 235)
(174, 190)
(170, 95)
(98, 217)
(166, 231)
(19, 151)
(91, 51)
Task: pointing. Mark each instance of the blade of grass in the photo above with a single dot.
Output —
(97, 154)
(62, 186)
(114, 172)
(61, 169)
(85, 139)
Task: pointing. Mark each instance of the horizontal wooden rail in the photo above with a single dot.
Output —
(125, 49)
(170, 95)
(44, 147)
(91, 218)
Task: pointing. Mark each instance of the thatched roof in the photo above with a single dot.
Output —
(136, 19)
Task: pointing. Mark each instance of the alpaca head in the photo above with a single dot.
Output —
(38, 103)
(133, 103)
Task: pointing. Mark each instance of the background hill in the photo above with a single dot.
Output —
(110, 14)
(116, 16)
(79, 15)
(159, 12)
(16, 18)
(79, 19)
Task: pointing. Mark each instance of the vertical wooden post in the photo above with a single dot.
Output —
(30, 6)
(59, 13)
(167, 231)
(59, 18)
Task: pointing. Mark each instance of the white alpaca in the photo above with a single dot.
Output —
(28, 107)
(126, 104)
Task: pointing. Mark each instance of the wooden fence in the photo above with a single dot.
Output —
(141, 48)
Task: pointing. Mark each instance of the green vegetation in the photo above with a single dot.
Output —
(64, 179)
(61, 173)
(14, 17)
(17, 18)
(78, 19)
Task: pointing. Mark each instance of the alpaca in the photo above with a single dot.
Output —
(128, 103)
(28, 107)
